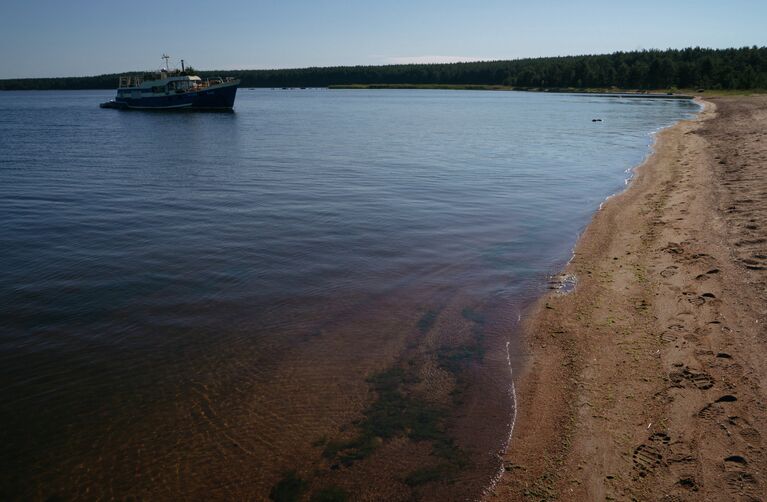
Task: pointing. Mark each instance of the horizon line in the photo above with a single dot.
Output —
(466, 60)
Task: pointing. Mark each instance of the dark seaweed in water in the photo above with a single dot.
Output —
(427, 321)
(289, 489)
(394, 412)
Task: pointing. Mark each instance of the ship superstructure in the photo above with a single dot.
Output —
(174, 89)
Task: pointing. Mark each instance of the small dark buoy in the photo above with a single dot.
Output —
(596, 120)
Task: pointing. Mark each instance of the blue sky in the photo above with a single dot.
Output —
(89, 37)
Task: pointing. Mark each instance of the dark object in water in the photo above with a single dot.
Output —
(596, 120)
(112, 104)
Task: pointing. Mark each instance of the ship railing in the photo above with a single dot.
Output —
(127, 81)
(209, 82)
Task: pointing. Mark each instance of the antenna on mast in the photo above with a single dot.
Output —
(166, 58)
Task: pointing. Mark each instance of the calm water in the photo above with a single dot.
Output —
(193, 305)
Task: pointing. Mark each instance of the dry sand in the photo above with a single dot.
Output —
(645, 383)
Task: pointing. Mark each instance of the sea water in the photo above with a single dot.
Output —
(202, 305)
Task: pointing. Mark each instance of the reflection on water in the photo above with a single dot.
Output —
(313, 293)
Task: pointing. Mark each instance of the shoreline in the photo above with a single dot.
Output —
(602, 92)
(626, 375)
(563, 283)
(614, 92)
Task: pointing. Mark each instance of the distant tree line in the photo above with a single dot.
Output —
(741, 68)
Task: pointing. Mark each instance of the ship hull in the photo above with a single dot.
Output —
(219, 97)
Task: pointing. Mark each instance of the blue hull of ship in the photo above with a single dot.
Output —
(219, 98)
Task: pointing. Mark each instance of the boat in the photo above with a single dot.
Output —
(175, 89)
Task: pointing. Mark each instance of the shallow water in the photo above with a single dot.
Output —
(193, 305)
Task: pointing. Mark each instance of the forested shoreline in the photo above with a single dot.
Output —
(736, 68)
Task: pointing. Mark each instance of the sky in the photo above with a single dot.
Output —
(92, 37)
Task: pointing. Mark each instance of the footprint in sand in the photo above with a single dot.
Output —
(668, 337)
(710, 412)
(688, 483)
(650, 455)
(673, 248)
(738, 477)
(646, 457)
(669, 271)
(707, 275)
(715, 409)
(693, 298)
(700, 380)
(743, 427)
(698, 300)
(660, 437)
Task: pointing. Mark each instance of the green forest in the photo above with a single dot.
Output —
(691, 68)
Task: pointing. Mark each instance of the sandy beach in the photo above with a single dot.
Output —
(644, 383)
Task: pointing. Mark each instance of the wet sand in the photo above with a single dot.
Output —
(644, 383)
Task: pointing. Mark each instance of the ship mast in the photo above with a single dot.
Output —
(166, 58)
